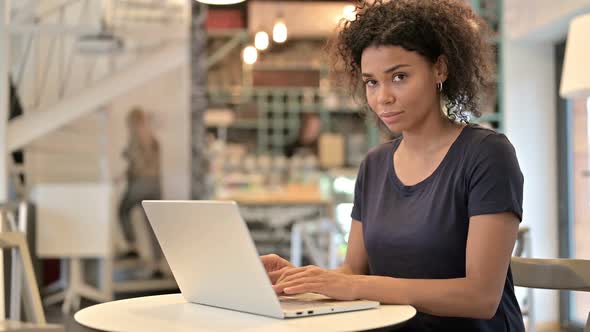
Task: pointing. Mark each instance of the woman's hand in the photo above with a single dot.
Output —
(312, 279)
(275, 266)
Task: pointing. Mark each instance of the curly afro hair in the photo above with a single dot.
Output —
(431, 28)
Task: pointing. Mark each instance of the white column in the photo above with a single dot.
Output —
(4, 95)
(4, 105)
(530, 115)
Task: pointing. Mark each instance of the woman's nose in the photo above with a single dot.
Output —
(385, 96)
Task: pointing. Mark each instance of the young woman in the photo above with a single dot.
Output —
(436, 211)
(143, 169)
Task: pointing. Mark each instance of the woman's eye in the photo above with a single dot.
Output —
(370, 83)
(399, 77)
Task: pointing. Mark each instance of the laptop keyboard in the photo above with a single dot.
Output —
(292, 302)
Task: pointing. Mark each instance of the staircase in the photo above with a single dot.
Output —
(65, 82)
(65, 88)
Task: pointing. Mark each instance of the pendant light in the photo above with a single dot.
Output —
(220, 2)
(261, 40)
(279, 31)
(250, 55)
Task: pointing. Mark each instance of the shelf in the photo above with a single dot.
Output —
(245, 124)
(225, 32)
(345, 110)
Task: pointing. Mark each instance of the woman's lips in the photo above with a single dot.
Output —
(390, 117)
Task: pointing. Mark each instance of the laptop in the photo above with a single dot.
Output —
(214, 261)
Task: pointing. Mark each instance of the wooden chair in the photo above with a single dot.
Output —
(13, 216)
(559, 274)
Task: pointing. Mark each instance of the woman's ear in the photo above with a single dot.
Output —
(441, 68)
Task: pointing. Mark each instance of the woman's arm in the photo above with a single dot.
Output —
(490, 243)
(355, 262)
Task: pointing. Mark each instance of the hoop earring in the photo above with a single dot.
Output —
(439, 86)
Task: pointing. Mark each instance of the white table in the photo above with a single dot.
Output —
(173, 313)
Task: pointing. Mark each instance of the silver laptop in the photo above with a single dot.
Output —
(215, 262)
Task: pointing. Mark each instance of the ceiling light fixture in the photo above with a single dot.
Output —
(279, 31)
(250, 55)
(261, 40)
(349, 12)
(220, 2)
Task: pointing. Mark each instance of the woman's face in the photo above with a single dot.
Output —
(140, 128)
(400, 86)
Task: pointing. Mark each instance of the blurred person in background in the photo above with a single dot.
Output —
(307, 141)
(143, 170)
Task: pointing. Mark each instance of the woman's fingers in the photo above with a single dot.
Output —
(276, 275)
(315, 280)
(304, 288)
(298, 272)
(280, 287)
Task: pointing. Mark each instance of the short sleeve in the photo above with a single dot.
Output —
(495, 181)
(357, 209)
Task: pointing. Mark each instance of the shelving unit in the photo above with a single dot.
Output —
(272, 114)
(491, 12)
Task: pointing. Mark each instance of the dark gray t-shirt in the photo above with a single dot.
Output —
(420, 231)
